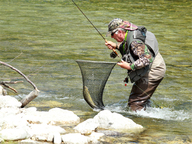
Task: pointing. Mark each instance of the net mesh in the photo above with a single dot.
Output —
(94, 75)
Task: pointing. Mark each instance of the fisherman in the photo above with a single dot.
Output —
(140, 57)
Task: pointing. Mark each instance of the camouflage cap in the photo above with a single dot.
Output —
(119, 23)
(128, 26)
(113, 25)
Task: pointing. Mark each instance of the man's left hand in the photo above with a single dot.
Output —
(124, 64)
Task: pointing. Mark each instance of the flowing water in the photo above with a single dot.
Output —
(44, 38)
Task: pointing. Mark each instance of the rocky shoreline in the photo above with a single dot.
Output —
(27, 125)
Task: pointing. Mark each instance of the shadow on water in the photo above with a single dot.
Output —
(44, 38)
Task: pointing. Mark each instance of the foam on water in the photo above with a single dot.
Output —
(152, 112)
(163, 113)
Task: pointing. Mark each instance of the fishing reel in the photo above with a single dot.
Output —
(113, 54)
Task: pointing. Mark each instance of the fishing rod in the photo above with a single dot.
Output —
(93, 25)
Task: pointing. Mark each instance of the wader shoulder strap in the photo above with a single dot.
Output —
(129, 39)
(151, 50)
(126, 50)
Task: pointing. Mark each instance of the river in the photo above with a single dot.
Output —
(44, 38)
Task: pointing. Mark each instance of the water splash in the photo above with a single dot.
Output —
(163, 113)
(152, 112)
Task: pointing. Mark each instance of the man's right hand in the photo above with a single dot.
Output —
(111, 45)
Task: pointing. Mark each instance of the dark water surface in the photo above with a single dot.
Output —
(44, 38)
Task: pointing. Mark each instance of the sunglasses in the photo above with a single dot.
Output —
(113, 33)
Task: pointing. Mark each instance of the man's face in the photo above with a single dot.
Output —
(118, 35)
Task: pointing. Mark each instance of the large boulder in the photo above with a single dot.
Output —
(43, 132)
(75, 138)
(44, 129)
(14, 134)
(109, 120)
(13, 121)
(63, 116)
(53, 116)
(87, 127)
(9, 102)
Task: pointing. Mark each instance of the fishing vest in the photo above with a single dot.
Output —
(127, 55)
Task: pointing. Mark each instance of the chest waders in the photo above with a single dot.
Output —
(138, 34)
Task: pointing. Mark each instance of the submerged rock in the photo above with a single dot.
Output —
(110, 133)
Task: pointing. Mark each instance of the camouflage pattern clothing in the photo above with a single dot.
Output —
(141, 52)
(140, 49)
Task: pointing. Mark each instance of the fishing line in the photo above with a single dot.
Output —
(89, 21)
(93, 26)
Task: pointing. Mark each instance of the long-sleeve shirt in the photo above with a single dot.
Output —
(139, 51)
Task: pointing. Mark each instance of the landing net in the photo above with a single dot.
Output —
(94, 75)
